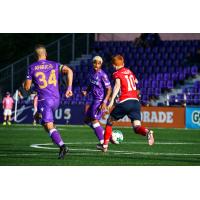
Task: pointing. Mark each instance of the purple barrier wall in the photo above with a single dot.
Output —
(65, 114)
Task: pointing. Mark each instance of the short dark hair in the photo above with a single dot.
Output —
(38, 46)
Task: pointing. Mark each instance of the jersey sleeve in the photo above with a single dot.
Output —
(3, 101)
(29, 75)
(115, 75)
(106, 81)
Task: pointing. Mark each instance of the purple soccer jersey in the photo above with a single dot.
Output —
(98, 83)
(44, 75)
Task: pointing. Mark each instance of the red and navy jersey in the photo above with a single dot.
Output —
(128, 84)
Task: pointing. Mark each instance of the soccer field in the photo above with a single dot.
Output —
(24, 145)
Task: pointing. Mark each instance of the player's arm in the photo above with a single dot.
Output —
(108, 92)
(115, 92)
(27, 84)
(28, 81)
(69, 73)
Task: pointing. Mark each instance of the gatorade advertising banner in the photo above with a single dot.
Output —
(160, 117)
(65, 114)
(193, 117)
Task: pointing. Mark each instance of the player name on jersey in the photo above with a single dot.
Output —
(39, 67)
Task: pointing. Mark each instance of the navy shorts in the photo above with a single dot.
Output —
(131, 108)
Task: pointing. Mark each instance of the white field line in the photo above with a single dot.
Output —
(84, 152)
(44, 146)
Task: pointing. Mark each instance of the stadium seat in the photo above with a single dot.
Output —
(157, 68)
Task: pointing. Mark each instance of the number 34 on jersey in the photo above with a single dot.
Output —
(44, 80)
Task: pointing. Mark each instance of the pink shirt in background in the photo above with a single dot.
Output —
(8, 102)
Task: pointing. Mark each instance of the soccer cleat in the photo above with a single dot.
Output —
(99, 146)
(102, 147)
(9, 123)
(150, 137)
(63, 151)
(4, 123)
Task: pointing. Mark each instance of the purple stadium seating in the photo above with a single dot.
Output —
(157, 68)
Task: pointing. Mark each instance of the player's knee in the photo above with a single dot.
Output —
(48, 126)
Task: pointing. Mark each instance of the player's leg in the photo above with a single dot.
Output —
(34, 122)
(35, 117)
(56, 138)
(99, 131)
(4, 120)
(96, 115)
(9, 117)
(9, 120)
(117, 113)
(108, 131)
(134, 113)
(46, 109)
(54, 134)
(139, 129)
(92, 120)
(5, 117)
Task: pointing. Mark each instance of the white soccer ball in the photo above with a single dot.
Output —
(117, 137)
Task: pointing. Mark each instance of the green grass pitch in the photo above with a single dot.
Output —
(173, 147)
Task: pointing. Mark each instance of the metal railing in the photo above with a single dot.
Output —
(63, 50)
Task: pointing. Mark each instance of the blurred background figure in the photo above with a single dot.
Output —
(35, 104)
(7, 107)
(148, 40)
(24, 95)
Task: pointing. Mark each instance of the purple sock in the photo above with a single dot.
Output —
(98, 131)
(55, 136)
